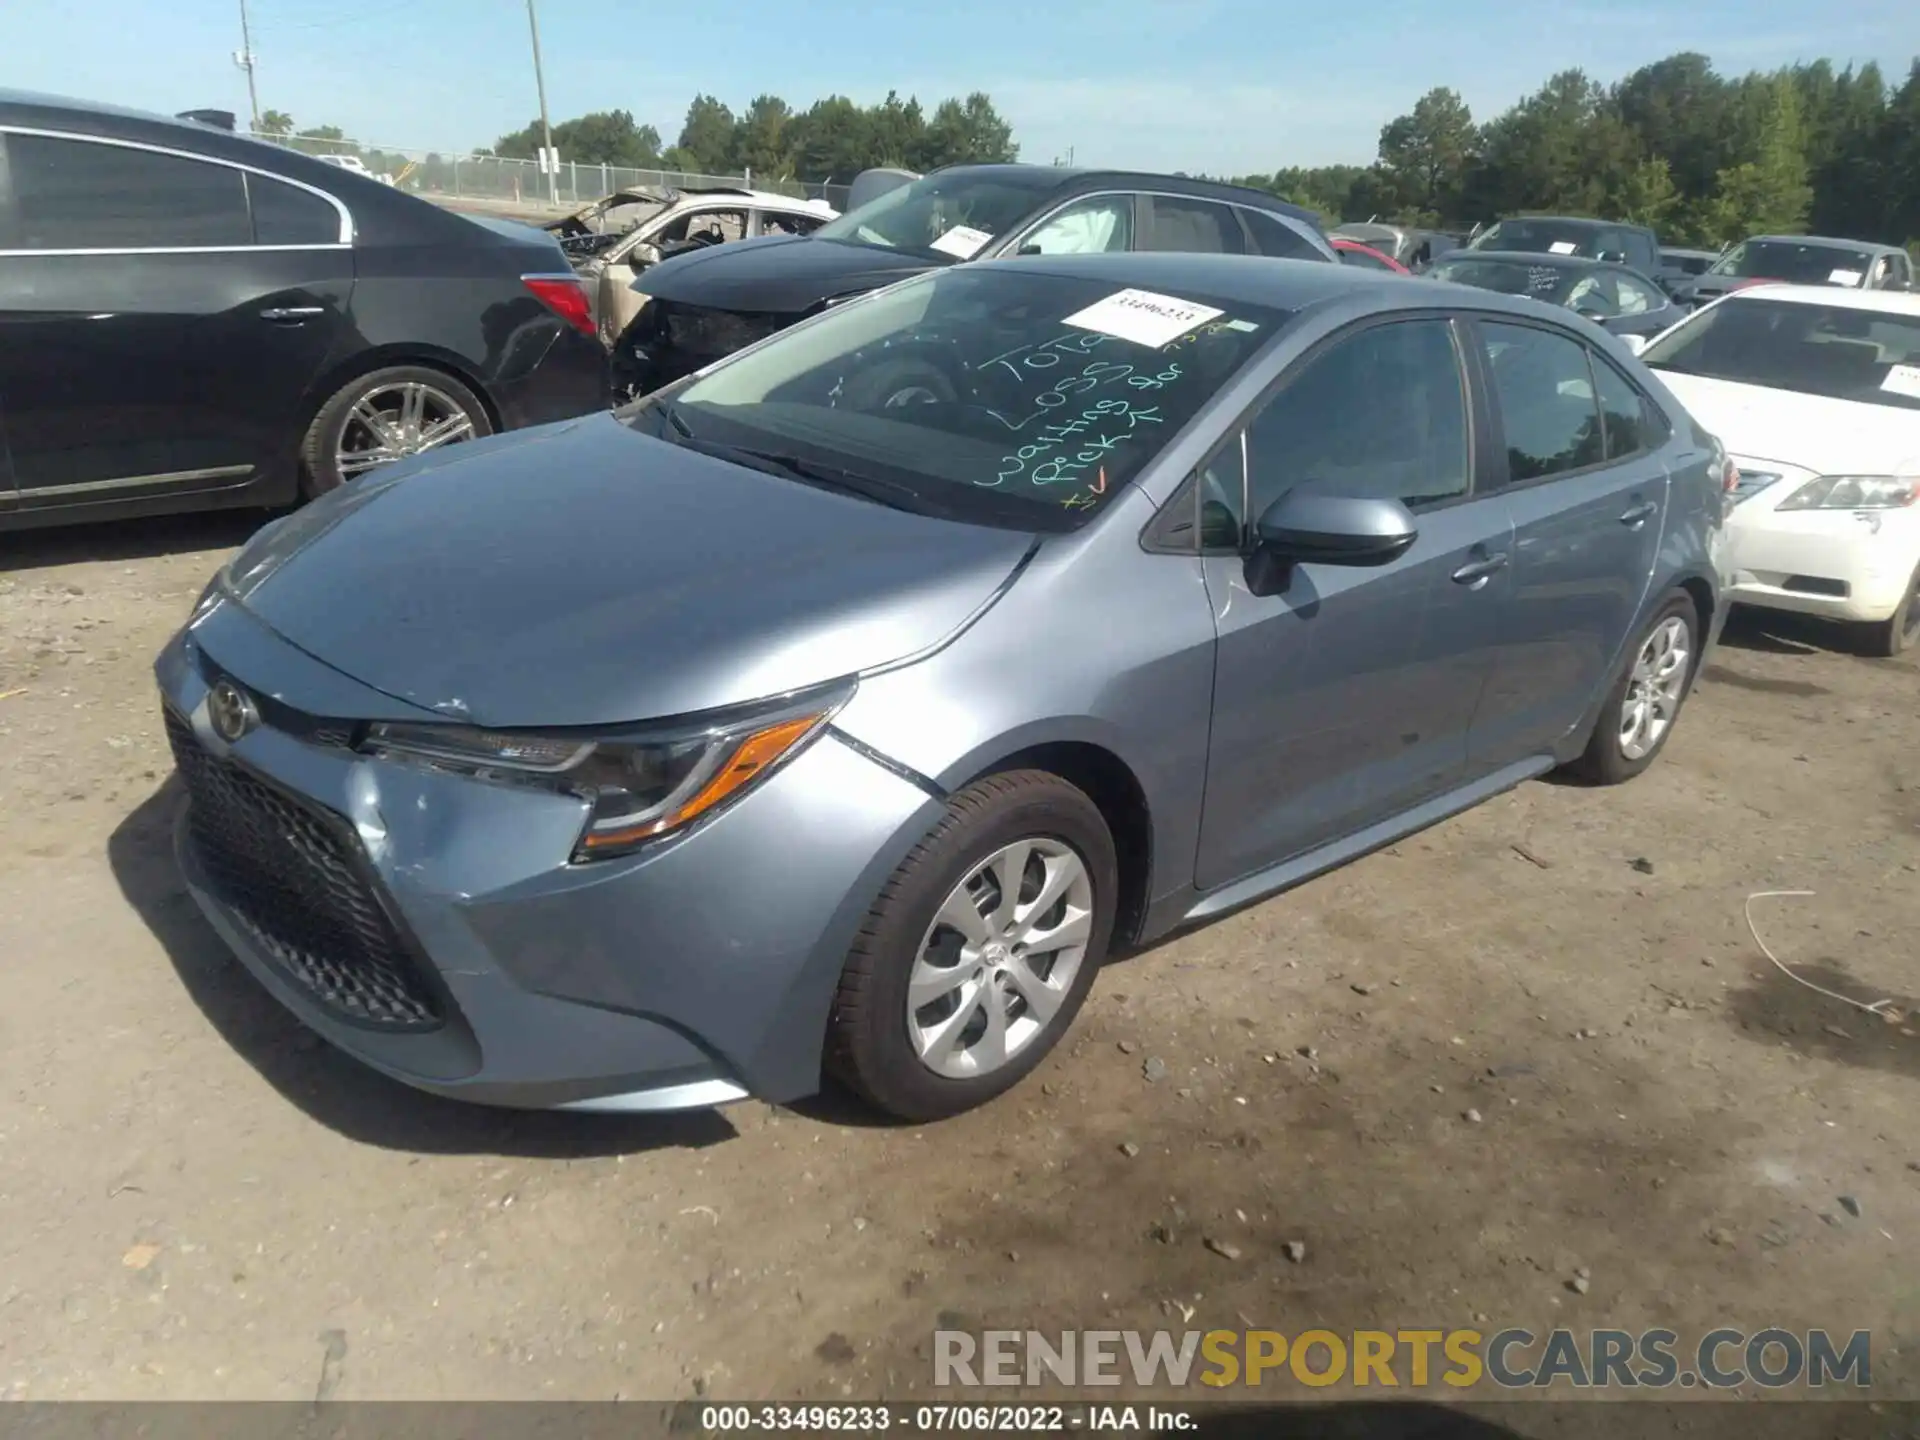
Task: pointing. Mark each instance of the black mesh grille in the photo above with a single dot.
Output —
(291, 874)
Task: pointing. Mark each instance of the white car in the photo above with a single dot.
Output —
(1815, 392)
(353, 164)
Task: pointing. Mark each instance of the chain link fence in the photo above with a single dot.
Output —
(497, 179)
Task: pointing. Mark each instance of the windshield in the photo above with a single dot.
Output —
(1791, 261)
(1539, 237)
(1831, 350)
(947, 215)
(1539, 282)
(1003, 396)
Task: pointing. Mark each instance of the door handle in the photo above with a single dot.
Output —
(1475, 574)
(292, 312)
(1640, 514)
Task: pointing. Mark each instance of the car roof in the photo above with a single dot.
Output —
(1259, 280)
(1887, 302)
(1827, 242)
(1064, 177)
(1530, 258)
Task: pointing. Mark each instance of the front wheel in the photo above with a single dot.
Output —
(1900, 632)
(1645, 700)
(388, 415)
(980, 950)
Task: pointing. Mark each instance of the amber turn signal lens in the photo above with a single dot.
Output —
(749, 760)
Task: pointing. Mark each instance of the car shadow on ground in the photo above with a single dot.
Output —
(329, 1086)
(127, 540)
(1781, 632)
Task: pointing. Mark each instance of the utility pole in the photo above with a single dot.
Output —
(243, 57)
(546, 130)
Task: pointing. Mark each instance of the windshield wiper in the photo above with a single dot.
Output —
(890, 493)
(831, 477)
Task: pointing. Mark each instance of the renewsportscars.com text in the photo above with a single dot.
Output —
(1512, 1359)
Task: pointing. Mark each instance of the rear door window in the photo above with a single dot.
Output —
(1203, 227)
(90, 195)
(1273, 236)
(287, 215)
(1547, 404)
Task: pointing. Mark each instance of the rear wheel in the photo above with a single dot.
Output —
(979, 951)
(385, 416)
(1640, 709)
(1901, 631)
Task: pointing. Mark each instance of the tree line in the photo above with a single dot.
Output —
(832, 140)
(1702, 159)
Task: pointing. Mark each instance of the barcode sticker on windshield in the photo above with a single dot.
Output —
(962, 240)
(1142, 317)
(1562, 247)
(1843, 277)
(1903, 380)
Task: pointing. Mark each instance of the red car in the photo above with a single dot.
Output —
(1352, 252)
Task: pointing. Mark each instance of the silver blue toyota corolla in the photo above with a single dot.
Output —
(837, 710)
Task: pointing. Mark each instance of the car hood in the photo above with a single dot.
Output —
(778, 274)
(586, 574)
(1813, 432)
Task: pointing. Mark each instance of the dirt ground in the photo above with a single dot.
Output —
(1533, 1042)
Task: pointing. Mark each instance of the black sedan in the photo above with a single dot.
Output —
(710, 303)
(193, 320)
(1613, 296)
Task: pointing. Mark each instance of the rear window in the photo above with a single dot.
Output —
(1794, 262)
(1541, 237)
(1538, 282)
(1832, 350)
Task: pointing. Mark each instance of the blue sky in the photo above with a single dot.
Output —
(1213, 85)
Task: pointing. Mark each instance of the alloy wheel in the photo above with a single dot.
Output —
(999, 959)
(1656, 687)
(394, 421)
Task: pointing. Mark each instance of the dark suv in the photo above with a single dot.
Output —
(193, 320)
(1634, 246)
(708, 304)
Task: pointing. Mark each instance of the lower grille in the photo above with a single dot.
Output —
(292, 874)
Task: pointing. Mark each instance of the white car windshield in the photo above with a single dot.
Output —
(947, 215)
(998, 395)
(1838, 351)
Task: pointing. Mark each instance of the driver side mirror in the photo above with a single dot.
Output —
(642, 256)
(1304, 528)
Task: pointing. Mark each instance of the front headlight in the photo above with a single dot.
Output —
(638, 787)
(1854, 492)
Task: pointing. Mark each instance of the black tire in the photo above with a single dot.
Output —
(868, 1046)
(1604, 762)
(319, 449)
(1901, 632)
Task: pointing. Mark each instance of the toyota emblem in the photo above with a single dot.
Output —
(231, 711)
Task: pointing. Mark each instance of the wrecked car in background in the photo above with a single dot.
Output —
(622, 234)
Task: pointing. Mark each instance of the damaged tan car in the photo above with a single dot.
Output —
(620, 235)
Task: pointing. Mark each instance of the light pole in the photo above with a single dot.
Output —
(244, 59)
(546, 130)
